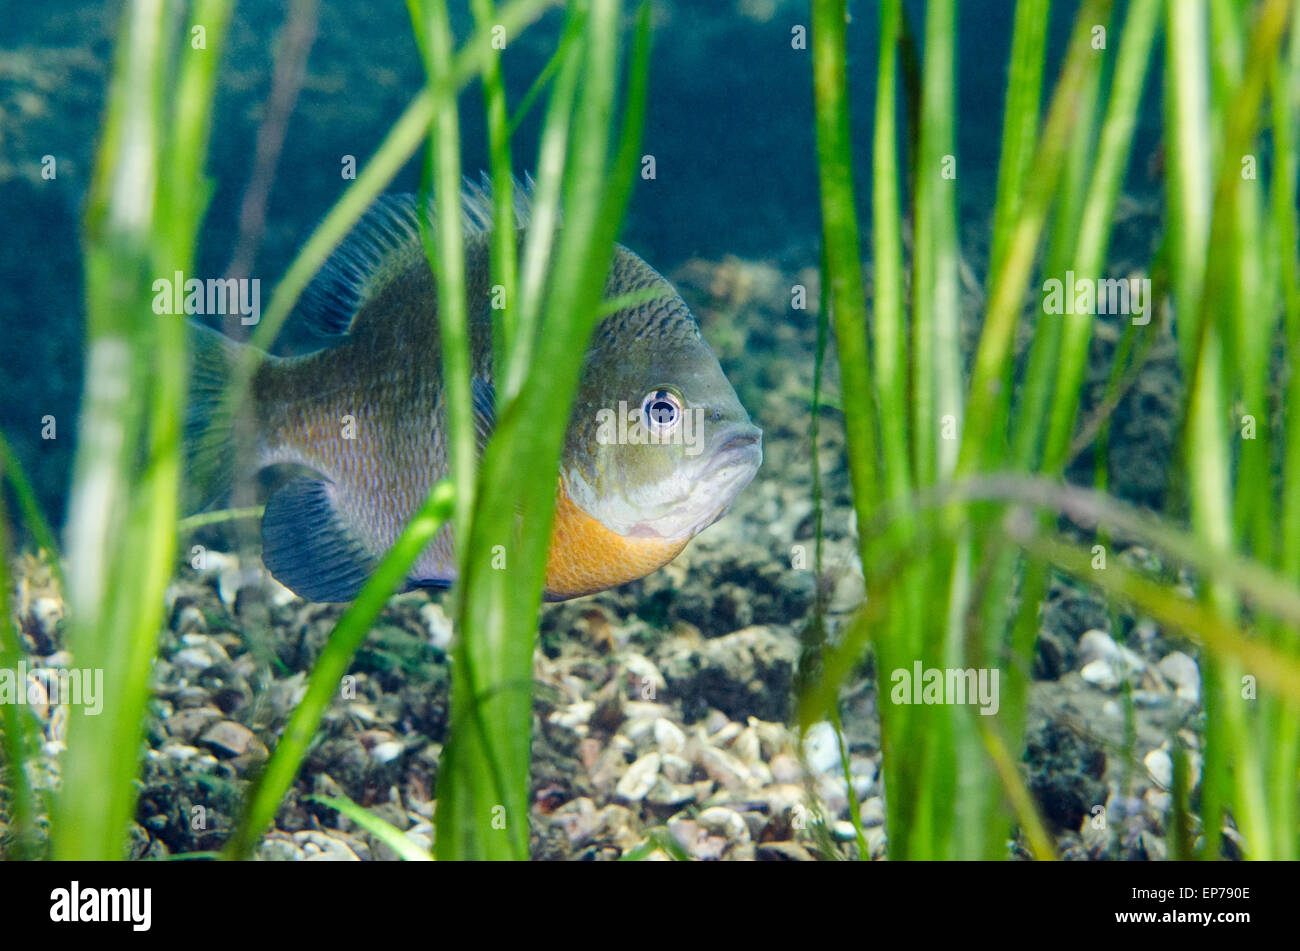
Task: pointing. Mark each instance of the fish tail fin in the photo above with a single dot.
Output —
(209, 416)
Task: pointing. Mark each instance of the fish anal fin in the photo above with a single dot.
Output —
(307, 546)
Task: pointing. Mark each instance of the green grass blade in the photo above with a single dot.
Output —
(483, 780)
(545, 218)
(843, 247)
(1206, 331)
(216, 517)
(544, 78)
(445, 246)
(1113, 150)
(505, 244)
(144, 209)
(40, 529)
(1020, 118)
(385, 832)
(988, 375)
(889, 332)
(19, 729)
(335, 658)
(1286, 222)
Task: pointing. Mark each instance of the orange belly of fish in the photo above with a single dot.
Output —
(587, 557)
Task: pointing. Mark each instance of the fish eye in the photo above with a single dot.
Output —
(661, 411)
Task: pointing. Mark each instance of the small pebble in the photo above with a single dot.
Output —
(1100, 673)
(228, 738)
(438, 625)
(1097, 645)
(821, 748)
(786, 769)
(1160, 767)
(783, 852)
(872, 811)
(720, 820)
(669, 736)
(1183, 674)
(639, 778)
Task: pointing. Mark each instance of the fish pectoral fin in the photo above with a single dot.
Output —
(307, 546)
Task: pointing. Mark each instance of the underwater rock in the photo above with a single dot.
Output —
(669, 736)
(639, 778)
(184, 725)
(387, 750)
(228, 738)
(786, 769)
(1065, 774)
(745, 673)
(843, 830)
(747, 748)
(189, 619)
(1183, 674)
(330, 846)
(1069, 613)
(45, 615)
(1050, 656)
(783, 852)
(1144, 428)
(1101, 673)
(1106, 664)
(821, 748)
(724, 769)
(422, 835)
(850, 592)
(724, 822)
(194, 659)
(643, 676)
(686, 832)
(575, 716)
(438, 625)
(670, 795)
(877, 842)
(872, 812)
(1097, 645)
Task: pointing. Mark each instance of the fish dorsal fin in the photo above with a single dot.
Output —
(383, 245)
(308, 548)
(476, 202)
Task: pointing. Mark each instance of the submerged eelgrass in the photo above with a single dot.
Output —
(938, 505)
(503, 503)
(969, 522)
(147, 203)
(507, 505)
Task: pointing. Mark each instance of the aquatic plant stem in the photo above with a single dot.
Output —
(483, 780)
(505, 245)
(18, 729)
(334, 660)
(146, 201)
(42, 534)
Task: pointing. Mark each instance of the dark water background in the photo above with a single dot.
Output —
(729, 123)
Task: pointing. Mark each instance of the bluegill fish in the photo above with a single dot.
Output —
(657, 448)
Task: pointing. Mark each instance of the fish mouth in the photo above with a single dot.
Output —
(737, 447)
(706, 492)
